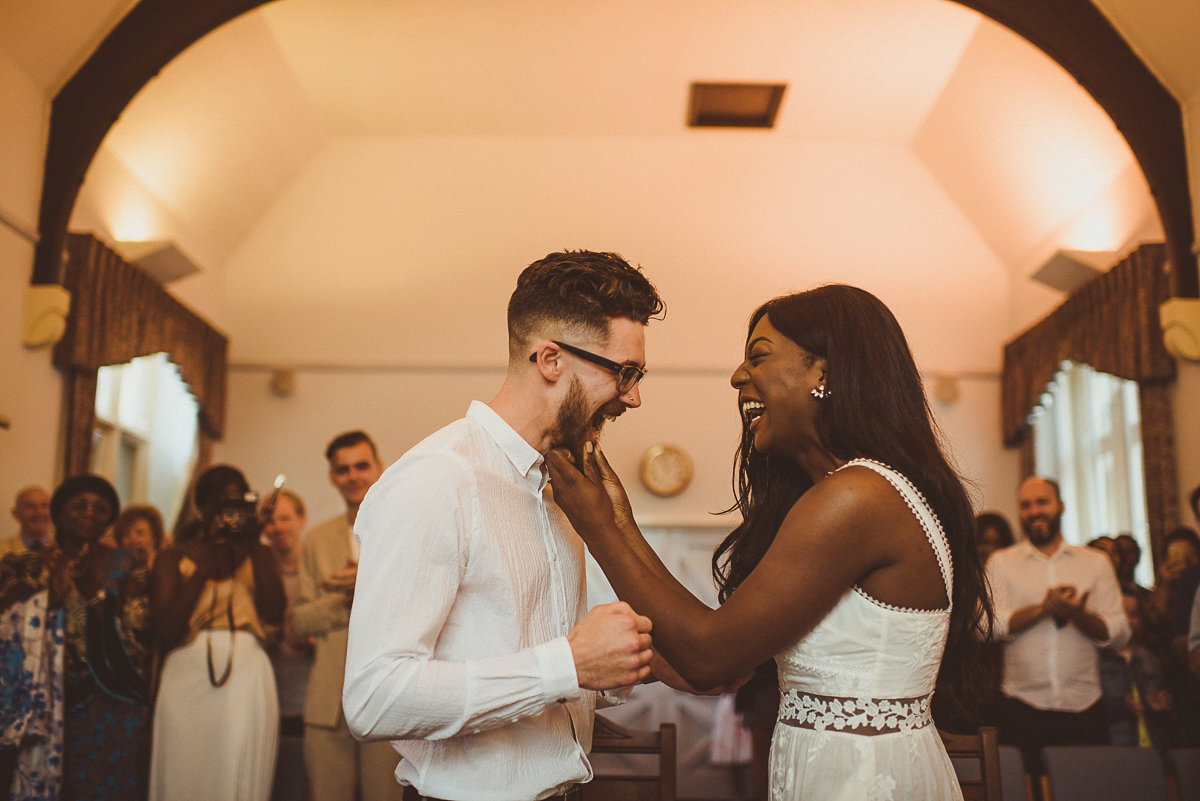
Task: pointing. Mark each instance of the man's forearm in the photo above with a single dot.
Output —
(321, 615)
(1025, 617)
(390, 698)
(1090, 624)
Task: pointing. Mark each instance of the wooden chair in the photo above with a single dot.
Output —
(609, 738)
(976, 759)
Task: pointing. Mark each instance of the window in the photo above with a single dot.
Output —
(1088, 436)
(144, 441)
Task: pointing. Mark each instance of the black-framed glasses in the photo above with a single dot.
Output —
(628, 375)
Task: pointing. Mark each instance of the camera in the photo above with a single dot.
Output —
(235, 517)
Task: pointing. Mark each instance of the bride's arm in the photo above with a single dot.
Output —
(597, 469)
(828, 541)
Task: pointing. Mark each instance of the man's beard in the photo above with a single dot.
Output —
(1041, 536)
(574, 426)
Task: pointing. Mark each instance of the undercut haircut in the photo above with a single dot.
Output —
(349, 440)
(580, 291)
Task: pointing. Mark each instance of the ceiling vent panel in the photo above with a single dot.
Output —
(735, 105)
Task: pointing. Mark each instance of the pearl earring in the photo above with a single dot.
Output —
(819, 392)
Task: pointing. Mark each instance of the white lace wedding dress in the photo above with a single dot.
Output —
(854, 718)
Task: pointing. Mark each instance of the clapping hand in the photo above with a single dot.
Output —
(1062, 603)
(342, 581)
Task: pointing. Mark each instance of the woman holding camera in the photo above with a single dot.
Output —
(216, 719)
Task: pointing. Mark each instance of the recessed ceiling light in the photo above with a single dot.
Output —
(734, 105)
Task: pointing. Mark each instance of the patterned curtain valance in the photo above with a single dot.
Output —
(1110, 324)
(119, 312)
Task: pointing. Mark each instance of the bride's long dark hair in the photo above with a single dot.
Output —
(875, 408)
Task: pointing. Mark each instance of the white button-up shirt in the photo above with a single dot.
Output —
(1046, 666)
(469, 581)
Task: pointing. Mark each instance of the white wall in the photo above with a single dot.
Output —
(697, 410)
(30, 388)
(1186, 400)
(347, 274)
(390, 251)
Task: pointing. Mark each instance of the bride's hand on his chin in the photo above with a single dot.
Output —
(583, 495)
(622, 511)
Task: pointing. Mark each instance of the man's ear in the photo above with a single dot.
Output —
(548, 360)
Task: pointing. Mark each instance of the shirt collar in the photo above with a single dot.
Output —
(1064, 550)
(524, 457)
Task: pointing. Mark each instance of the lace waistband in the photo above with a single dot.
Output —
(864, 716)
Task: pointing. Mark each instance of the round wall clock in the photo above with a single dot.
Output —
(666, 470)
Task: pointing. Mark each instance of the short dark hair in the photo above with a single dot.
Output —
(349, 440)
(997, 523)
(1181, 534)
(578, 289)
(1122, 538)
(137, 512)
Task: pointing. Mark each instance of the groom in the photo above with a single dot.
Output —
(469, 646)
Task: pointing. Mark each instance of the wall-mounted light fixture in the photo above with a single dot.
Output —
(1180, 320)
(45, 320)
(283, 382)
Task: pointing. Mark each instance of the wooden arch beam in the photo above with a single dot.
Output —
(1072, 32)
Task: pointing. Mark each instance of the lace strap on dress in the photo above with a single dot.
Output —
(921, 509)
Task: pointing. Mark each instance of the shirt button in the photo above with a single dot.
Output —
(562, 621)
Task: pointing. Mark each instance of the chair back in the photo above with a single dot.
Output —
(1186, 763)
(976, 760)
(1014, 782)
(1103, 773)
(608, 738)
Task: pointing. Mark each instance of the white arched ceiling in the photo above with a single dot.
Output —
(361, 180)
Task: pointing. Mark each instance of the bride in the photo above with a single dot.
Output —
(854, 565)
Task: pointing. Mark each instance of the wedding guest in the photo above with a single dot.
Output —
(284, 521)
(992, 532)
(216, 717)
(74, 653)
(139, 530)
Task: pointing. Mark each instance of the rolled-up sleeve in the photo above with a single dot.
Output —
(415, 526)
(1105, 601)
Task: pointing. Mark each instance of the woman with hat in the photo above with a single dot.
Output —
(74, 647)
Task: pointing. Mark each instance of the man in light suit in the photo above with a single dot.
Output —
(337, 763)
